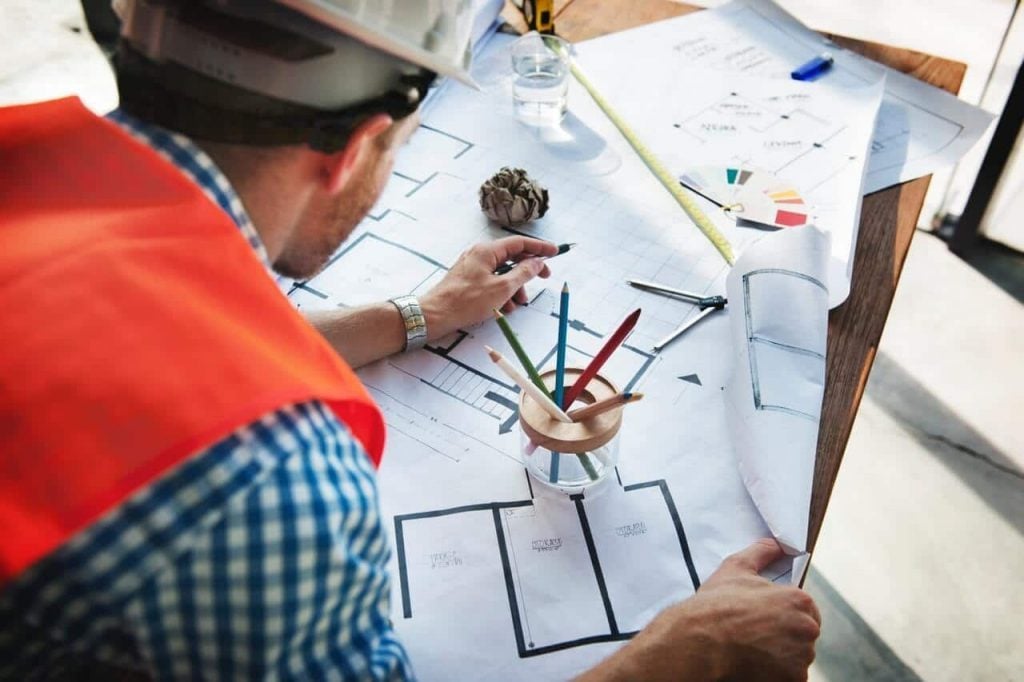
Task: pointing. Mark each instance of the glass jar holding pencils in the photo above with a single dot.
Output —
(577, 455)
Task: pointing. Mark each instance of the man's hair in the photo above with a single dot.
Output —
(197, 105)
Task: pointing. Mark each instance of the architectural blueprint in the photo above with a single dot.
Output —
(920, 128)
(496, 576)
(813, 139)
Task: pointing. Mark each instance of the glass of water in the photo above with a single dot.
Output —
(540, 83)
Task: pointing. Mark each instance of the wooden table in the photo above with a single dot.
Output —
(887, 223)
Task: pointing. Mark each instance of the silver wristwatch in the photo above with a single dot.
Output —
(415, 322)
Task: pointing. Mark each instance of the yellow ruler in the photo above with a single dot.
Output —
(699, 218)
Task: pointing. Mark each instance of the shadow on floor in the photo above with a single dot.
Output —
(1003, 266)
(1000, 264)
(999, 482)
(849, 650)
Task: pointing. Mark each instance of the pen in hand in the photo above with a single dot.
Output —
(507, 266)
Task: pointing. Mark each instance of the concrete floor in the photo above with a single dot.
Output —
(919, 567)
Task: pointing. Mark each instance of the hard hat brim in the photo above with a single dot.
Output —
(336, 18)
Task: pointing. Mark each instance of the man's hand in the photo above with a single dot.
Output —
(738, 626)
(471, 290)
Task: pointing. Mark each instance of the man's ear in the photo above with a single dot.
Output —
(336, 169)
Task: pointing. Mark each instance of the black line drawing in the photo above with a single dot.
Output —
(954, 129)
(467, 144)
(757, 343)
(504, 516)
(417, 270)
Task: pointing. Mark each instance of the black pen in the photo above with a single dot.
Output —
(507, 266)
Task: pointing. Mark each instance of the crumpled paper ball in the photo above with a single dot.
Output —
(510, 198)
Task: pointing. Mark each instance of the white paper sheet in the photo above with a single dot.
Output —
(779, 296)
(920, 128)
(495, 576)
(816, 140)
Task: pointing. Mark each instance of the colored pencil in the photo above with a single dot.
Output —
(517, 348)
(602, 356)
(563, 338)
(588, 466)
(602, 406)
(539, 396)
(507, 266)
(563, 334)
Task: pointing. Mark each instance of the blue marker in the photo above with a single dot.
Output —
(813, 68)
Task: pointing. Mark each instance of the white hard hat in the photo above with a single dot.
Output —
(339, 52)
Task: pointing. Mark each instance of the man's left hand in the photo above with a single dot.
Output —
(471, 290)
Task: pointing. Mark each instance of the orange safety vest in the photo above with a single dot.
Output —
(137, 328)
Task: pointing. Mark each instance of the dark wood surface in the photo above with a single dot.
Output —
(888, 219)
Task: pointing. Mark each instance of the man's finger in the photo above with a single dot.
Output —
(520, 297)
(523, 272)
(512, 248)
(757, 556)
(812, 609)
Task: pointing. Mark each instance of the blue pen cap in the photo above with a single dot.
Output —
(813, 68)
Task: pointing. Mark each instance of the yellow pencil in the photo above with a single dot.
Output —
(539, 396)
(602, 406)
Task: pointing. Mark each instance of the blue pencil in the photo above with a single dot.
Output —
(563, 334)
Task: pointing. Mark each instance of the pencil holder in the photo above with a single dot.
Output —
(570, 457)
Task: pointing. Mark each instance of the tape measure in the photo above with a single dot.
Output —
(539, 14)
(699, 218)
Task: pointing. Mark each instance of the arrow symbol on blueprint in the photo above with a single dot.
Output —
(692, 378)
(507, 425)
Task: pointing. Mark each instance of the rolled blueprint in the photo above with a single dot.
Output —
(778, 292)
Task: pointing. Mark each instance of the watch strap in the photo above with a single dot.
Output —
(414, 320)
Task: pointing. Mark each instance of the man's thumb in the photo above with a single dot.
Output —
(757, 556)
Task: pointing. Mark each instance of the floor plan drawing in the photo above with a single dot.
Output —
(814, 140)
(920, 128)
(534, 550)
(368, 268)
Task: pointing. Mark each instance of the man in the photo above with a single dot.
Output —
(187, 485)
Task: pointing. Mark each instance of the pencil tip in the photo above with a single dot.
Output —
(565, 287)
(497, 313)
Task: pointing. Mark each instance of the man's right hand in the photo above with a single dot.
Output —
(739, 626)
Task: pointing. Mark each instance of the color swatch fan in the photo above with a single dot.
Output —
(749, 194)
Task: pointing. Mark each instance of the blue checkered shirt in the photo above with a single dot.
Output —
(262, 557)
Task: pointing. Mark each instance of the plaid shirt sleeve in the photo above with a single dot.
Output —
(262, 557)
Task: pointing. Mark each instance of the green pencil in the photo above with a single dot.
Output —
(587, 465)
(517, 348)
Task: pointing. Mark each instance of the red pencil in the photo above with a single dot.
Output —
(602, 356)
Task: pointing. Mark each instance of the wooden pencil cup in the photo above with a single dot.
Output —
(571, 457)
